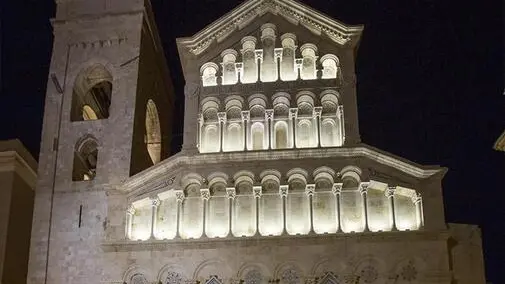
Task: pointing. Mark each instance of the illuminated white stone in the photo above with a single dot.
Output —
(250, 68)
(142, 220)
(308, 71)
(167, 216)
(288, 70)
(192, 218)
(208, 73)
(230, 75)
(268, 65)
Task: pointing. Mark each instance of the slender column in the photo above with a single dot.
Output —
(230, 194)
(179, 196)
(155, 203)
(129, 220)
(240, 69)
(278, 60)
(257, 191)
(258, 57)
(293, 113)
(205, 194)
(417, 199)
(309, 190)
(340, 114)
(390, 192)
(200, 129)
(363, 188)
(269, 115)
(245, 127)
(221, 116)
(283, 191)
(337, 190)
(298, 66)
(317, 114)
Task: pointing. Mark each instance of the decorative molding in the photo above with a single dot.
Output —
(231, 193)
(337, 188)
(283, 190)
(310, 189)
(257, 191)
(205, 193)
(294, 12)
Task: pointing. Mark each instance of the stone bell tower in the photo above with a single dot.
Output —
(108, 115)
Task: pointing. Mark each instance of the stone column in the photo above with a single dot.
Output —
(390, 192)
(317, 116)
(130, 212)
(363, 188)
(239, 66)
(230, 194)
(179, 196)
(258, 56)
(288, 72)
(278, 60)
(250, 71)
(257, 191)
(340, 114)
(293, 113)
(229, 69)
(283, 191)
(309, 190)
(155, 203)
(221, 116)
(245, 127)
(205, 194)
(268, 66)
(337, 190)
(298, 67)
(200, 129)
(269, 115)
(418, 202)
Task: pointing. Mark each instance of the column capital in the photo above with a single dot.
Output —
(231, 193)
(363, 187)
(258, 54)
(293, 112)
(179, 195)
(246, 115)
(390, 191)
(200, 119)
(269, 114)
(130, 210)
(221, 116)
(155, 201)
(257, 191)
(205, 193)
(278, 53)
(310, 189)
(283, 190)
(340, 111)
(416, 198)
(317, 111)
(299, 63)
(337, 188)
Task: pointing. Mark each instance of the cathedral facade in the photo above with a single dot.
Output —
(273, 183)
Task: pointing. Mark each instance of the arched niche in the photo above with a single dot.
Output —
(208, 72)
(244, 209)
(281, 135)
(153, 132)
(85, 159)
(92, 94)
(331, 66)
(270, 209)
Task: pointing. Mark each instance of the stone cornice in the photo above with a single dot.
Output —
(293, 11)
(158, 174)
(11, 161)
(327, 239)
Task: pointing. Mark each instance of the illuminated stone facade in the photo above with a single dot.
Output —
(273, 183)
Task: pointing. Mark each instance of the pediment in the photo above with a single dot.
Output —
(292, 11)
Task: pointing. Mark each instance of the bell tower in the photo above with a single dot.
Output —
(108, 116)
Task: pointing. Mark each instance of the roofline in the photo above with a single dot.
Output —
(292, 9)
(158, 173)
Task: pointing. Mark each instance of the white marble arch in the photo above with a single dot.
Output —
(254, 273)
(209, 267)
(172, 274)
(289, 272)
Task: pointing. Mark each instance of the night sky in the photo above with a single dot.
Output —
(430, 88)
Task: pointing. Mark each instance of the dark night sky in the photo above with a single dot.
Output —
(430, 84)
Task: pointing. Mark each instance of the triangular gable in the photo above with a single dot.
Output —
(291, 10)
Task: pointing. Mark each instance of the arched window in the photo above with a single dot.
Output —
(308, 71)
(329, 69)
(153, 132)
(211, 139)
(92, 94)
(209, 71)
(257, 136)
(281, 135)
(85, 159)
(304, 134)
(329, 133)
(234, 137)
